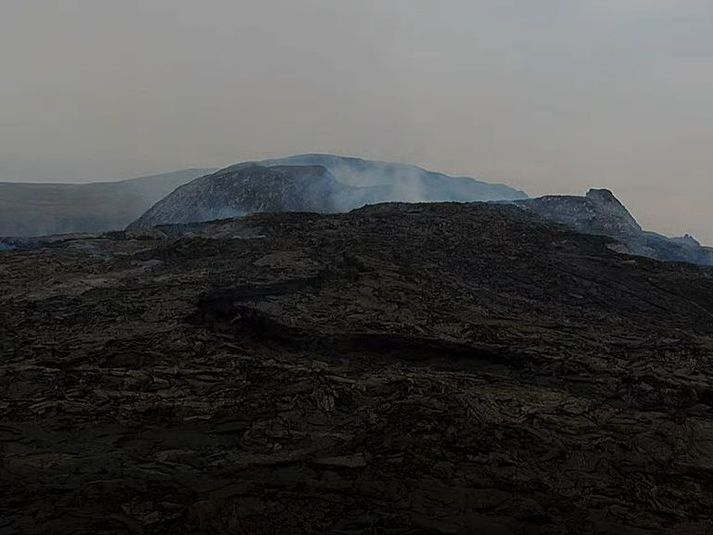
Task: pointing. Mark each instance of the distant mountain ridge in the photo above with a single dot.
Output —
(315, 183)
(34, 209)
(305, 183)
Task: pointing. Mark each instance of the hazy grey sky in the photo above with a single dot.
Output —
(547, 95)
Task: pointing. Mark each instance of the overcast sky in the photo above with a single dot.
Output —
(553, 96)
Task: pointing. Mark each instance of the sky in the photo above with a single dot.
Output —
(551, 96)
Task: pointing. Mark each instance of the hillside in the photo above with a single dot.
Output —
(600, 212)
(29, 209)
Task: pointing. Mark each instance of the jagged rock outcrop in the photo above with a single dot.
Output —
(430, 368)
(600, 212)
(313, 182)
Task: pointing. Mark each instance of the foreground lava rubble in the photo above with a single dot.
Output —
(445, 368)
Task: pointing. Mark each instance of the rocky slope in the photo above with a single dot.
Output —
(325, 183)
(252, 188)
(28, 209)
(313, 182)
(437, 368)
(600, 212)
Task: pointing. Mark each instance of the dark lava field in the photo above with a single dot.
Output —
(400, 369)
